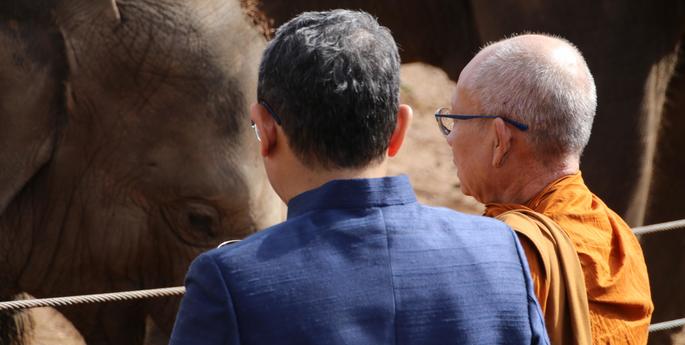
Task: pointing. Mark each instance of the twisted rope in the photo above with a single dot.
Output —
(180, 290)
(662, 326)
(649, 229)
(654, 228)
(94, 298)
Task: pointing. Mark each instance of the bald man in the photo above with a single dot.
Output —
(519, 120)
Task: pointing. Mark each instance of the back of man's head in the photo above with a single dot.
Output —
(542, 81)
(333, 79)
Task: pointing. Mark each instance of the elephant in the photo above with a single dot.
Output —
(635, 52)
(126, 151)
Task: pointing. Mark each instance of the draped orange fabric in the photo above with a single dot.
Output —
(610, 255)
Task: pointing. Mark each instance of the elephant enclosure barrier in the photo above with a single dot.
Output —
(180, 290)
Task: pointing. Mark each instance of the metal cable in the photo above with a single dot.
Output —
(95, 298)
(649, 229)
(180, 290)
(662, 326)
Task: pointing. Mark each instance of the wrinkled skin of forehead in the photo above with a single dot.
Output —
(154, 161)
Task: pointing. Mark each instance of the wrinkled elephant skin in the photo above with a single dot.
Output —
(137, 151)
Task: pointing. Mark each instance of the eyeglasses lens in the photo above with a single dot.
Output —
(445, 123)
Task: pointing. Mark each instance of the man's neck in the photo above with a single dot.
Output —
(530, 180)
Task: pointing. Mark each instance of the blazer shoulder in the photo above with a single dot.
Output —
(460, 218)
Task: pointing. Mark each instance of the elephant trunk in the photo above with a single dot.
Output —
(16, 325)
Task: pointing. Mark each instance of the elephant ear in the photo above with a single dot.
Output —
(30, 102)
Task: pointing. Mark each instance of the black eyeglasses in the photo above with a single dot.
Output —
(271, 112)
(446, 126)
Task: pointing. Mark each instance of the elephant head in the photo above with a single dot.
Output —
(126, 151)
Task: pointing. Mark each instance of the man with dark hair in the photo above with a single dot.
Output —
(358, 261)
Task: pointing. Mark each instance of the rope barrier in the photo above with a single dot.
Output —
(180, 290)
(650, 229)
(662, 326)
(654, 228)
(94, 298)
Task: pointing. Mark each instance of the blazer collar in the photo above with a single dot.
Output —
(355, 193)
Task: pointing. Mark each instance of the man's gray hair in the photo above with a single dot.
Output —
(552, 91)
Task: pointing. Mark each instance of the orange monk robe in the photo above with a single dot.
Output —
(613, 264)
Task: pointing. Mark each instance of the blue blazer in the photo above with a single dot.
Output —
(361, 262)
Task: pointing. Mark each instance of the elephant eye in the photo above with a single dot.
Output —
(203, 219)
(201, 222)
(197, 223)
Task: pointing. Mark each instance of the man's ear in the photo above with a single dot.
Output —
(266, 126)
(502, 143)
(404, 117)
